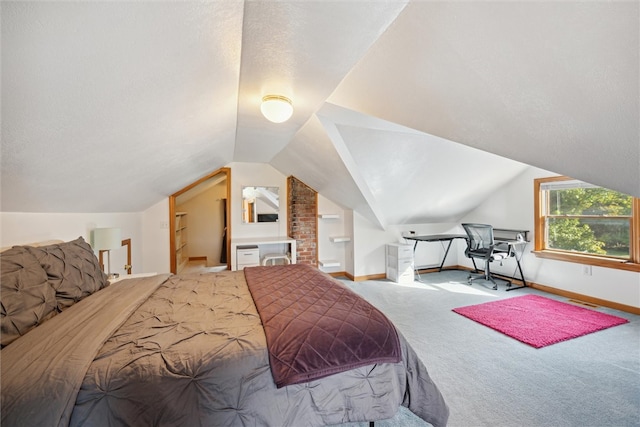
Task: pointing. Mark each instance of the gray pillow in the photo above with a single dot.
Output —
(26, 297)
(73, 270)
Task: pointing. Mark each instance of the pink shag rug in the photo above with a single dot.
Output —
(539, 321)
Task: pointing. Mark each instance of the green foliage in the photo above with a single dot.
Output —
(600, 235)
(589, 201)
(571, 235)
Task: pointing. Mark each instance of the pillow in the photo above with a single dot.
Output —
(73, 270)
(26, 297)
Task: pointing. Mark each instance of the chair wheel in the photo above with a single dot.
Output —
(495, 287)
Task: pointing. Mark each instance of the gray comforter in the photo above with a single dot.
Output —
(187, 351)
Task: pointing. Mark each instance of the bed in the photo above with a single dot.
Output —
(270, 346)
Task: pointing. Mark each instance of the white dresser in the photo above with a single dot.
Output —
(399, 257)
(247, 256)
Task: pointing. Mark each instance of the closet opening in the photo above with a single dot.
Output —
(199, 224)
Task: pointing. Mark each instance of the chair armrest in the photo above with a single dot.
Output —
(503, 247)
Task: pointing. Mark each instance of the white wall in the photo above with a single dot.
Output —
(349, 261)
(332, 227)
(22, 228)
(369, 246)
(156, 239)
(512, 207)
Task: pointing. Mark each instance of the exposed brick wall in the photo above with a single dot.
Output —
(302, 214)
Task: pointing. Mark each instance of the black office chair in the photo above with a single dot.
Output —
(481, 245)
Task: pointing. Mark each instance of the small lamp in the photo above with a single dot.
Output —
(276, 108)
(106, 239)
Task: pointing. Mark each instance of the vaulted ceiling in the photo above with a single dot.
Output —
(113, 106)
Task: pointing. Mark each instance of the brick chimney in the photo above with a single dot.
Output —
(302, 214)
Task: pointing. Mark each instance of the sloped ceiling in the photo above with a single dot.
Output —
(551, 84)
(113, 106)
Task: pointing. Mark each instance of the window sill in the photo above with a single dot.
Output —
(588, 260)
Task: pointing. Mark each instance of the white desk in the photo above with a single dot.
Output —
(265, 245)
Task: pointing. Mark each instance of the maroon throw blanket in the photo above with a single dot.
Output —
(315, 326)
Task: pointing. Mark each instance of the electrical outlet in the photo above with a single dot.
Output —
(586, 270)
(164, 224)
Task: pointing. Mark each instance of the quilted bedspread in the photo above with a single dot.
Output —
(315, 326)
(191, 352)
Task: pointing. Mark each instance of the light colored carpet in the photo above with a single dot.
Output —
(490, 379)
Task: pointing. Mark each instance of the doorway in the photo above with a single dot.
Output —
(199, 222)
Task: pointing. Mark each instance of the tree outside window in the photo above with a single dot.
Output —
(574, 218)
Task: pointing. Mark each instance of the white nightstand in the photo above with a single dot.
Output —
(131, 276)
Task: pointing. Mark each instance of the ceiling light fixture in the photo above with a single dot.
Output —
(276, 108)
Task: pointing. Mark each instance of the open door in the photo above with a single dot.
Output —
(179, 247)
(225, 240)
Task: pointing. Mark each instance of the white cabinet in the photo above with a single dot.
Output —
(399, 257)
(247, 256)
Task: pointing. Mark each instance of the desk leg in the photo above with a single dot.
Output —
(415, 267)
(524, 283)
(444, 258)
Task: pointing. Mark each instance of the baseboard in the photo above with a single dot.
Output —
(338, 274)
(367, 277)
(350, 277)
(585, 298)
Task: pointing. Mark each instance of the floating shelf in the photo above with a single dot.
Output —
(330, 263)
(339, 239)
(329, 216)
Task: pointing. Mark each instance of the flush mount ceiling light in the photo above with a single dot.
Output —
(276, 108)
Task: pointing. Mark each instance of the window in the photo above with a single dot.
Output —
(580, 222)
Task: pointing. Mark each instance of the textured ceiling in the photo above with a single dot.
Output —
(113, 106)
